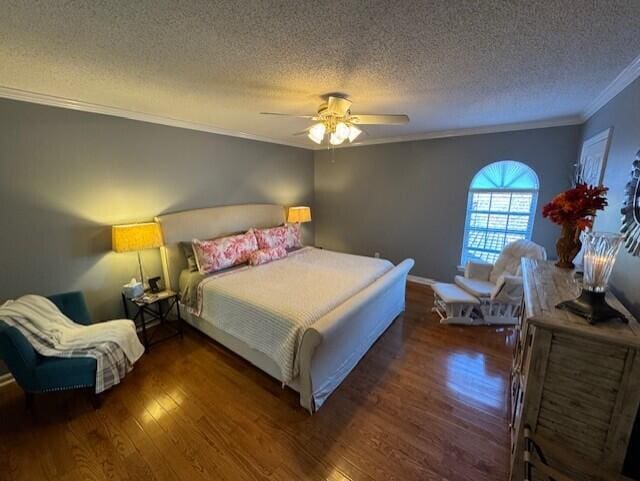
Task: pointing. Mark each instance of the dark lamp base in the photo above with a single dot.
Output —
(593, 307)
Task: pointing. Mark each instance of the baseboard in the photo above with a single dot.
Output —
(6, 379)
(421, 280)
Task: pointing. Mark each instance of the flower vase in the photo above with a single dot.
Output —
(568, 245)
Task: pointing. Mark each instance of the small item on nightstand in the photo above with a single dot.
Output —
(154, 297)
(133, 289)
(154, 284)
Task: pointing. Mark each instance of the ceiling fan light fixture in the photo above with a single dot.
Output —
(316, 133)
(335, 122)
(335, 139)
(342, 131)
(353, 133)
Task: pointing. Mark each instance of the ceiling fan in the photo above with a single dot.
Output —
(335, 121)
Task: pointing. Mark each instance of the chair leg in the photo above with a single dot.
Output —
(28, 400)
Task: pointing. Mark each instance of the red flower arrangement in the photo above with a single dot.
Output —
(576, 206)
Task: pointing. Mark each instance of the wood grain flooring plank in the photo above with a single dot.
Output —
(147, 451)
(427, 402)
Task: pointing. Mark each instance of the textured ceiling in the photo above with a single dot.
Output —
(447, 64)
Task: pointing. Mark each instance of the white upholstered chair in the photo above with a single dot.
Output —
(487, 293)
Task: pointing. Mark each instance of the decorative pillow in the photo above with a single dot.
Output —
(287, 235)
(294, 236)
(272, 237)
(214, 255)
(263, 256)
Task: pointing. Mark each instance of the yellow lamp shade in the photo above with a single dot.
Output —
(135, 237)
(299, 214)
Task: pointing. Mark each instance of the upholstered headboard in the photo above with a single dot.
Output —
(209, 223)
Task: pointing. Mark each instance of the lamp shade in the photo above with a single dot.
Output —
(135, 237)
(299, 214)
(600, 253)
(316, 133)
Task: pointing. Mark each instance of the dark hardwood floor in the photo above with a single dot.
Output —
(428, 402)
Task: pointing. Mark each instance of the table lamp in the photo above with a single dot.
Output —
(136, 237)
(600, 253)
(299, 214)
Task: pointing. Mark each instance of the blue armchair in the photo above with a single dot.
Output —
(38, 374)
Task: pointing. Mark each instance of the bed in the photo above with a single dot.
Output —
(306, 320)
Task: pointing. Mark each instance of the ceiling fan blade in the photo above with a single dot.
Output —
(289, 115)
(382, 119)
(338, 106)
(304, 132)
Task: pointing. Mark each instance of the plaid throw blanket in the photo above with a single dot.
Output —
(113, 344)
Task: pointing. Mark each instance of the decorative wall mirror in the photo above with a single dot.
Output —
(631, 210)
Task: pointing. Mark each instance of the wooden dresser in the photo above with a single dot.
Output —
(571, 382)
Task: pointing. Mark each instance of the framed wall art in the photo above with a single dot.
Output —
(593, 158)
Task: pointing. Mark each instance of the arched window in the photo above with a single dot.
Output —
(500, 209)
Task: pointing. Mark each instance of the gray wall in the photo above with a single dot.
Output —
(409, 199)
(67, 176)
(623, 114)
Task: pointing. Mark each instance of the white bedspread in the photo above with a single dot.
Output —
(269, 306)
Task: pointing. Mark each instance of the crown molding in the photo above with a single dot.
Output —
(492, 129)
(65, 103)
(624, 79)
(630, 73)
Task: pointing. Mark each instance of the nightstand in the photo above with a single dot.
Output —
(151, 314)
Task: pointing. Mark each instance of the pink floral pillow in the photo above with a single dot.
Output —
(287, 235)
(263, 256)
(273, 237)
(294, 236)
(214, 255)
